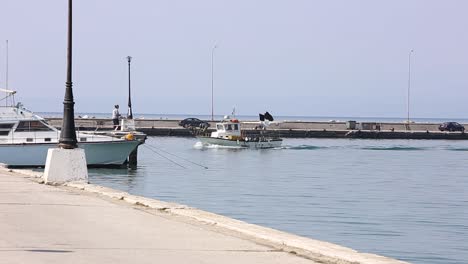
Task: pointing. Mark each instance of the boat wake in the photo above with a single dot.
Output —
(200, 145)
(457, 149)
(392, 148)
(303, 147)
(358, 147)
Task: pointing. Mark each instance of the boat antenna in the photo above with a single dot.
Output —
(6, 64)
(6, 73)
(9, 94)
(129, 114)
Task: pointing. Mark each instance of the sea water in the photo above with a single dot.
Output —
(405, 199)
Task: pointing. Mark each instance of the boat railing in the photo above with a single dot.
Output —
(37, 137)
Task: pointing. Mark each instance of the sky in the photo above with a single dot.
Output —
(291, 58)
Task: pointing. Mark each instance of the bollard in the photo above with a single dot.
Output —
(133, 158)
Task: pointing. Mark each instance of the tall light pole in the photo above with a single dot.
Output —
(68, 161)
(68, 133)
(129, 114)
(212, 81)
(409, 87)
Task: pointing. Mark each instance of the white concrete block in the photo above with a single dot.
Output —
(65, 165)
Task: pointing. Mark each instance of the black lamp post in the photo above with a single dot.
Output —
(129, 114)
(68, 133)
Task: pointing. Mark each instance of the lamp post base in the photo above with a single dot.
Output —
(65, 165)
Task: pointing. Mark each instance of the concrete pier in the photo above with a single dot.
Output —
(288, 129)
(85, 223)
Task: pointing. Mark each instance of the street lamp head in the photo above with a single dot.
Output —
(129, 58)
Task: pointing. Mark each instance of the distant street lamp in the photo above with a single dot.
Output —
(129, 114)
(212, 81)
(409, 85)
(68, 133)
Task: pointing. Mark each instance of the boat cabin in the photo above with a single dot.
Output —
(228, 129)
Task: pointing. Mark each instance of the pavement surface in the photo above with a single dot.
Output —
(86, 223)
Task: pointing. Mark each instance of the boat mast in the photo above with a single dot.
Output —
(6, 80)
(6, 73)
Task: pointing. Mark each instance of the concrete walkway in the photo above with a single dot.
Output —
(59, 224)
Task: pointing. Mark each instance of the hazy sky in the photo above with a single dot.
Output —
(315, 58)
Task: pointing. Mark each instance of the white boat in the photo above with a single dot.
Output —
(25, 139)
(229, 134)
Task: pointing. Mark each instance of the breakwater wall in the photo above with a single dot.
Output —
(287, 129)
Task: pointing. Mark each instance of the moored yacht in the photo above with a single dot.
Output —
(25, 139)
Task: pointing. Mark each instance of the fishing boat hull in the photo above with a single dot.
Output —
(110, 153)
(254, 144)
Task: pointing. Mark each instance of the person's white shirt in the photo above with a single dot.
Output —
(115, 113)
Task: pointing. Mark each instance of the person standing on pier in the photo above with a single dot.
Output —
(115, 117)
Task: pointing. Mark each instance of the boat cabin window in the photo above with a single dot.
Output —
(5, 129)
(229, 127)
(219, 127)
(31, 126)
(236, 127)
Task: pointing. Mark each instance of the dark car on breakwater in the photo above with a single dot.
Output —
(193, 122)
(451, 126)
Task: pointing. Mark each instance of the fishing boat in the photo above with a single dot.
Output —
(26, 137)
(229, 134)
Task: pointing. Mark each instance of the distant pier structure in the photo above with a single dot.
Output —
(287, 129)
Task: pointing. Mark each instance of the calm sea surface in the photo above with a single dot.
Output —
(406, 199)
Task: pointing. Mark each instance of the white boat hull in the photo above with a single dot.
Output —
(262, 144)
(97, 153)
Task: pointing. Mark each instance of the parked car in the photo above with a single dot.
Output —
(451, 126)
(194, 122)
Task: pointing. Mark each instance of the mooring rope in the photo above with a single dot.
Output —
(159, 154)
(153, 148)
